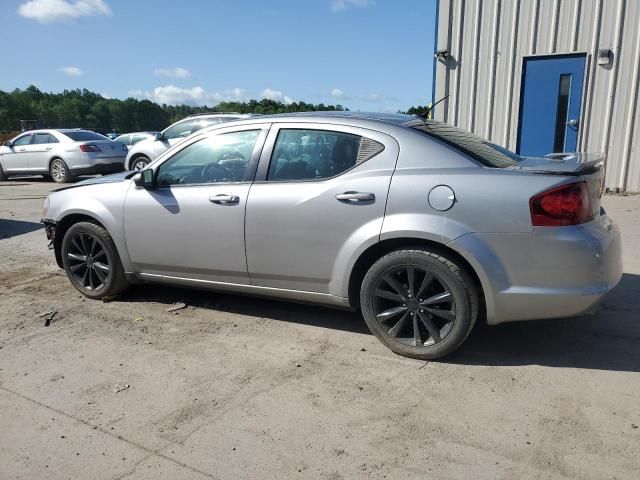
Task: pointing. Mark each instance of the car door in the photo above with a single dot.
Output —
(319, 196)
(40, 151)
(191, 226)
(16, 157)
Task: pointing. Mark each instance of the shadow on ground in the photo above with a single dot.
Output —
(12, 228)
(607, 340)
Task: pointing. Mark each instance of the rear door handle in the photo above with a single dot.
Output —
(354, 197)
(225, 199)
(22, 149)
(48, 148)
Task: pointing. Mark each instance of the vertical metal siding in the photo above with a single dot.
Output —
(487, 41)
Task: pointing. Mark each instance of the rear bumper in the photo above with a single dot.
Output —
(553, 272)
(99, 168)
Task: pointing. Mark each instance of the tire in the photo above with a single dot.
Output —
(3, 176)
(88, 274)
(140, 162)
(444, 312)
(59, 171)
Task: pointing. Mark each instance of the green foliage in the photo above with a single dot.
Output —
(82, 108)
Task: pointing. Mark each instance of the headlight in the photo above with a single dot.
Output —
(45, 208)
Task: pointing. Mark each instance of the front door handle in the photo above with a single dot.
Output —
(22, 149)
(225, 199)
(48, 148)
(353, 197)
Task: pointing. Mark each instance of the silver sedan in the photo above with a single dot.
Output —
(61, 154)
(423, 227)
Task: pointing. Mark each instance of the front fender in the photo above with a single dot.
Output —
(103, 203)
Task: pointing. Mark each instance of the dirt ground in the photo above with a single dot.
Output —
(236, 387)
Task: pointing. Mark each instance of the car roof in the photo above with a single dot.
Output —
(384, 121)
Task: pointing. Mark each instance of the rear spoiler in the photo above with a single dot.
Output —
(574, 164)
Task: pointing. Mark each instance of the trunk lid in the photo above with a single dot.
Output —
(590, 166)
(108, 148)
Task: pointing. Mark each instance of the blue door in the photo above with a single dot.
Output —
(550, 104)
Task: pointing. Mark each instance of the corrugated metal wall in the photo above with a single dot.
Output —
(487, 41)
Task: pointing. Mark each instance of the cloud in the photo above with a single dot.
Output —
(276, 96)
(72, 71)
(341, 5)
(172, 95)
(337, 93)
(177, 72)
(49, 11)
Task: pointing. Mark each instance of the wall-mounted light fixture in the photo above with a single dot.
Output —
(442, 55)
(605, 57)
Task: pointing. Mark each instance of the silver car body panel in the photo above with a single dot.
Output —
(301, 243)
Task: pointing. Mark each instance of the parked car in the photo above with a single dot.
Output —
(130, 139)
(423, 226)
(61, 154)
(145, 152)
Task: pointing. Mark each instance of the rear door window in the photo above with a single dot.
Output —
(317, 154)
(41, 138)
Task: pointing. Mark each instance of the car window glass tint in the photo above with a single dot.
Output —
(214, 159)
(318, 154)
(123, 139)
(137, 138)
(24, 140)
(41, 138)
(84, 136)
(182, 129)
(53, 139)
(478, 148)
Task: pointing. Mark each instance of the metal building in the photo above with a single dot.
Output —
(539, 76)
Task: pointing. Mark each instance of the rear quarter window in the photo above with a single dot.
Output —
(480, 149)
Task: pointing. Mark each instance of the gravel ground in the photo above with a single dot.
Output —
(236, 387)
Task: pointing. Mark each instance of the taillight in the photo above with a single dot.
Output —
(565, 205)
(89, 147)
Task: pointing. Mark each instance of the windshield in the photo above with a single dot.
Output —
(487, 153)
(84, 136)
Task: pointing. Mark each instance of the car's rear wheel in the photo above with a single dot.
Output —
(3, 176)
(59, 171)
(419, 303)
(91, 261)
(139, 163)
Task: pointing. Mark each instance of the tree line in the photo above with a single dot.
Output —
(85, 109)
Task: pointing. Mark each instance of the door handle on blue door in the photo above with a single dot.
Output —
(226, 199)
(353, 197)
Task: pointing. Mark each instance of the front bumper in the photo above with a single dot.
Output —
(553, 272)
(99, 168)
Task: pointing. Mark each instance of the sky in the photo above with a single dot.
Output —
(369, 55)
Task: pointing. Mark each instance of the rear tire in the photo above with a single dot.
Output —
(59, 171)
(139, 163)
(91, 261)
(419, 303)
(3, 176)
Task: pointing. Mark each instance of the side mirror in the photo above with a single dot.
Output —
(159, 136)
(8, 144)
(144, 179)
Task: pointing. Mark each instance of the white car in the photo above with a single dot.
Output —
(61, 154)
(146, 151)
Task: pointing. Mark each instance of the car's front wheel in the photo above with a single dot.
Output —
(59, 171)
(91, 261)
(139, 163)
(419, 303)
(3, 176)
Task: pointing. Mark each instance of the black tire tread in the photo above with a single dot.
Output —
(461, 275)
(119, 282)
